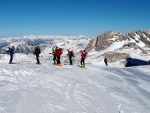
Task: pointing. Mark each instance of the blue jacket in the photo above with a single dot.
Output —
(11, 51)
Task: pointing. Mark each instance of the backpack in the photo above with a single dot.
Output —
(53, 51)
(61, 51)
(85, 54)
(72, 53)
(11, 51)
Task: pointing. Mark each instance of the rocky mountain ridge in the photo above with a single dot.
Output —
(115, 45)
(103, 41)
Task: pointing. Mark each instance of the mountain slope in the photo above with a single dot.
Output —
(30, 88)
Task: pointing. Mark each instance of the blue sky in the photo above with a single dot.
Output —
(72, 17)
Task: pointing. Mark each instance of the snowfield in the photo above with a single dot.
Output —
(29, 88)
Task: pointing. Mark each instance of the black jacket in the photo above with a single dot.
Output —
(37, 50)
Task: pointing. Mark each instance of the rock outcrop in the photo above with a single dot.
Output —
(138, 39)
(104, 40)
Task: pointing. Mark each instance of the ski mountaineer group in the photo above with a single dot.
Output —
(57, 52)
(56, 55)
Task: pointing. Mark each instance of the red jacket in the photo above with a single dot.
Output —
(69, 53)
(57, 53)
(83, 54)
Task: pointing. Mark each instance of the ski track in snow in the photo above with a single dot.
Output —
(29, 88)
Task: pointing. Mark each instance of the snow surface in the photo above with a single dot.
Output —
(29, 88)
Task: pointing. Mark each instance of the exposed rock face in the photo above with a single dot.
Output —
(91, 44)
(134, 46)
(143, 36)
(113, 56)
(105, 40)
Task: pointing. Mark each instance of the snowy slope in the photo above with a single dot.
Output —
(29, 88)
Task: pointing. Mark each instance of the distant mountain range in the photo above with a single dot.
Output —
(26, 44)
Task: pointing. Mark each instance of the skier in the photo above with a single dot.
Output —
(70, 55)
(58, 54)
(37, 52)
(11, 52)
(105, 60)
(83, 56)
